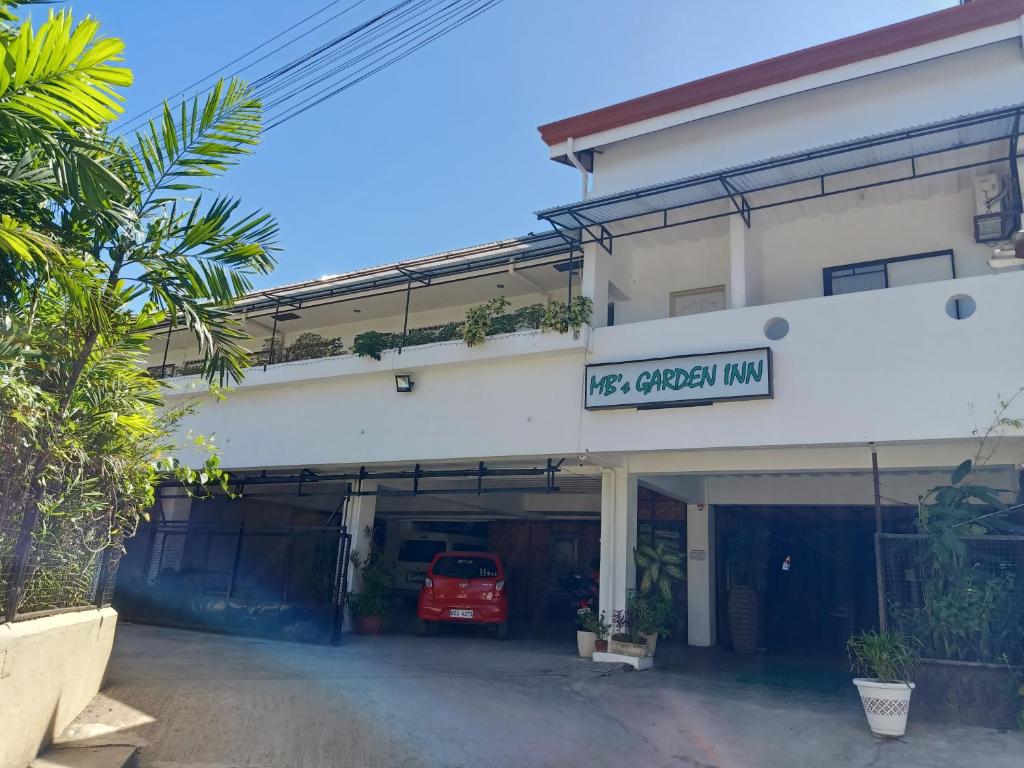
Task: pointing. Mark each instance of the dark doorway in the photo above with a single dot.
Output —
(814, 569)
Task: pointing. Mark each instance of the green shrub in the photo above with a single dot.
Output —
(891, 657)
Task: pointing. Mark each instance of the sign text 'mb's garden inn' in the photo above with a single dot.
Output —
(685, 380)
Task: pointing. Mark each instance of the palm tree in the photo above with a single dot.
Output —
(57, 92)
(119, 229)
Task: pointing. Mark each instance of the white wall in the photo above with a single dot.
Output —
(50, 668)
(884, 223)
(669, 261)
(971, 81)
(788, 248)
(878, 366)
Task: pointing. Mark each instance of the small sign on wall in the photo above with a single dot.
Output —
(668, 382)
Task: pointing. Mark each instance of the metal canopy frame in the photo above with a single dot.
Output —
(534, 247)
(592, 218)
(307, 477)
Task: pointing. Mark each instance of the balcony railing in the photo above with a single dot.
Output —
(313, 346)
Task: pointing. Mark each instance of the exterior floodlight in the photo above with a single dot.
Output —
(403, 382)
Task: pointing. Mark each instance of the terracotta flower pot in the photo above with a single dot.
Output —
(369, 625)
(601, 645)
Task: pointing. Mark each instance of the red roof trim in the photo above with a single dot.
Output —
(867, 45)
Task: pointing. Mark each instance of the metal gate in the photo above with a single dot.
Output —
(287, 581)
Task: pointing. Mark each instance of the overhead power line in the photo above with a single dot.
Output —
(330, 68)
(126, 122)
(393, 57)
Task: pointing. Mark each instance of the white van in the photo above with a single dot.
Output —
(416, 550)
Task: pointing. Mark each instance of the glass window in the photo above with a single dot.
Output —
(466, 567)
(419, 550)
(697, 301)
(889, 273)
(856, 279)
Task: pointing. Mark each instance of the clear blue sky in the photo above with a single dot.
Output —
(441, 150)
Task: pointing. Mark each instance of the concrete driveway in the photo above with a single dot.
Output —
(198, 700)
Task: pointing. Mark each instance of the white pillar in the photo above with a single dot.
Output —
(604, 596)
(738, 235)
(700, 574)
(361, 512)
(597, 265)
(618, 539)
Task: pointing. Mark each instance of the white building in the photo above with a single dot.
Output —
(816, 211)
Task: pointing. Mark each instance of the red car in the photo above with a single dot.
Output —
(464, 588)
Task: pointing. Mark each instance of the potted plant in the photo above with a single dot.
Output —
(652, 616)
(747, 559)
(661, 565)
(887, 660)
(372, 602)
(591, 634)
(627, 640)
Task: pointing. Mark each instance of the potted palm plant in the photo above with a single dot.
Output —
(372, 602)
(887, 660)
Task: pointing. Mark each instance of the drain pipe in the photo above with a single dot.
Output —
(584, 177)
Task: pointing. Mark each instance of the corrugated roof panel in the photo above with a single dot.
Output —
(881, 149)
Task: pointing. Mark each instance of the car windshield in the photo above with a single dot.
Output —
(466, 567)
(419, 550)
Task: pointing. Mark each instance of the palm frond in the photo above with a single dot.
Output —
(62, 75)
(199, 140)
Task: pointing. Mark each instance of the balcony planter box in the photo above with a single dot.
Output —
(886, 705)
(967, 693)
(585, 643)
(626, 648)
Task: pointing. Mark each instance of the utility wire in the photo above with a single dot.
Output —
(487, 5)
(123, 126)
(310, 68)
(347, 59)
(395, 41)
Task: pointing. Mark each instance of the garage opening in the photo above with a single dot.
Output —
(273, 557)
(549, 544)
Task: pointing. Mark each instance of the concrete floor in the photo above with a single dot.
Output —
(207, 701)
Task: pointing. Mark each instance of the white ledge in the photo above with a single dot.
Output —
(455, 352)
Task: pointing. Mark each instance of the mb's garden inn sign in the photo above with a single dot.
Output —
(669, 382)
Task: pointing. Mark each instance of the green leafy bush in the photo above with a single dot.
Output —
(477, 327)
(891, 657)
(312, 346)
(377, 573)
(968, 607)
(591, 621)
(559, 317)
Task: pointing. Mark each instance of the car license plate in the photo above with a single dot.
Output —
(414, 577)
(461, 613)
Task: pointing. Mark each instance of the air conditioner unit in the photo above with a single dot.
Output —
(996, 208)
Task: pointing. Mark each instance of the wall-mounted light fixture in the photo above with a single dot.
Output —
(404, 382)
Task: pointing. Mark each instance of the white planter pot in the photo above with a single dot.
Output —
(886, 705)
(585, 643)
